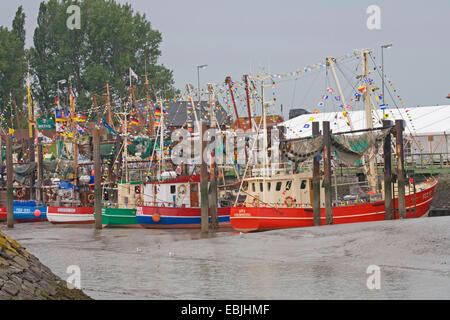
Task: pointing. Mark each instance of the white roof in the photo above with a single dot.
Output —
(419, 121)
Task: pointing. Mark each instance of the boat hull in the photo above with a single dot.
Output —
(24, 214)
(177, 218)
(247, 219)
(70, 215)
(120, 218)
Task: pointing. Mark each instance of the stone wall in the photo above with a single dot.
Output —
(23, 276)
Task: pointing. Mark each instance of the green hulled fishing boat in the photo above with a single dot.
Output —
(124, 215)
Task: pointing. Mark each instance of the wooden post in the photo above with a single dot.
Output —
(327, 171)
(9, 183)
(400, 169)
(387, 173)
(316, 180)
(213, 189)
(97, 179)
(40, 171)
(203, 181)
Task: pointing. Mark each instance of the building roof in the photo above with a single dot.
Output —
(178, 113)
(419, 120)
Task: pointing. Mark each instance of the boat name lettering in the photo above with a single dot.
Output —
(66, 210)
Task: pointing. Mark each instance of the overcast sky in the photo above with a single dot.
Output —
(235, 37)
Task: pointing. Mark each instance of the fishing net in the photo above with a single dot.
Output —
(350, 148)
(299, 150)
(25, 169)
(144, 146)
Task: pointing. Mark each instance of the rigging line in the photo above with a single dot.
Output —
(308, 91)
(293, 94)
(390, 93)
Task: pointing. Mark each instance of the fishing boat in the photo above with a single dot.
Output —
(291, 199)
(123, 214)
(172, 199)
(175, 203)
(70, 215)
(26, 211)
(72, 203)
(282, 197)
(29, 211)
(3, 214)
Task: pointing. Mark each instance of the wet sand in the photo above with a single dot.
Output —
(327, 262)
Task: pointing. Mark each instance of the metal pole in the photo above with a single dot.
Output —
(382, 76)
(9, 183)
(203, 182)
(97, 179)
(198, 84)
(400, 169)
(387, 173)
(316, 180)
(327, 171)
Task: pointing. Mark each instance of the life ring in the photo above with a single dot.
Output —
(289, 201)
(91, 198)
(20, 193)
(182, 189)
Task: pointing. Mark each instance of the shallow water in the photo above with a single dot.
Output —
(327, 262)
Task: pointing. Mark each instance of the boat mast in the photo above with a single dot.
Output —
(151, 120)
(108, 108)
(250, 125)
(161, 137)
(330, 62)
(74, 139)
(370, 171)
(30, 104)
(197, 124)
(228, 81)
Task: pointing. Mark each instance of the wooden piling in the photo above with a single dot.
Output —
(316, 180)
(400, 169)
(203, 181)
(213, 189)
(97, 179)
(327, 171)
(9, 183)
(40, 171)
(387, 172)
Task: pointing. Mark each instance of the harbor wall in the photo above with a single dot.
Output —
(24, 277)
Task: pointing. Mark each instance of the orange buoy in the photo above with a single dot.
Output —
(156, 217)
(37, 212)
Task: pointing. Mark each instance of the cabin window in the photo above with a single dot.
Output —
(172, 189)
(253, 187)
(268, 186)
(261, 187)
(288, 185)
(194, 188)
(303, 185)
(278, 187)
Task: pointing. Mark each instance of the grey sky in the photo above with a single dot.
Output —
(235, 37)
